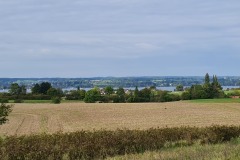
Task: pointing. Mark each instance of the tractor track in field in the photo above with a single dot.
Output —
(71, 117)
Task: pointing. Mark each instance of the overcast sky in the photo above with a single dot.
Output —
(89, 38)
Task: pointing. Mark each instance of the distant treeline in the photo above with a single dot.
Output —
(211, 88)
(115, 82)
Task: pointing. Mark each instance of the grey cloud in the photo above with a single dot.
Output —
(119, 30)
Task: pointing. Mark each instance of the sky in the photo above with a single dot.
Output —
(90, 38)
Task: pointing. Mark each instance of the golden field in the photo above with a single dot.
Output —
(70, 117)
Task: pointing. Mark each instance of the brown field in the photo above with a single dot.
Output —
(69, 117)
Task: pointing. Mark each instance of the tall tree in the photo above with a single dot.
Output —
(207, 86)
(179, 87)
(44, 87)
(216, 88)
(92, 96)
(108, 90)
(207, 79)
(198, 92)
(121, 97)
(36, 89)
(145, 95)
(15, 89)
(216, 83)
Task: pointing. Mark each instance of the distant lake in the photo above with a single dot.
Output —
(131, 88)
(6, 90)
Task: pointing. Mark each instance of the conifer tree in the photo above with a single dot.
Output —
(216, 87)
(207, 79)
(207, 86)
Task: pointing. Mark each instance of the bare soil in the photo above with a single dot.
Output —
(69, 117)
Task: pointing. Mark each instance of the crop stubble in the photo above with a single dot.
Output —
(70, 117)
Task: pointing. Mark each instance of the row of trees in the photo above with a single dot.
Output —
(42, 91)
(44, 88)
(16, 89)
(209, 89)
(130, 96)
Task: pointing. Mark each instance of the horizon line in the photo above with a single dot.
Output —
(109, 77)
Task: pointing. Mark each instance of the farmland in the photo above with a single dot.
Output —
(33, 118)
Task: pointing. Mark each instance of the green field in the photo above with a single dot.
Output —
(231, 91)
(222, 100)
(177, 93)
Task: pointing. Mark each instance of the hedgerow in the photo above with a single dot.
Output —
(102, 143)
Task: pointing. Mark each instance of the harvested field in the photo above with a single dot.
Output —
(69, 117)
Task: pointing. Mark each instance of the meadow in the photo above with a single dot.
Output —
(34, 118)
(220, 100)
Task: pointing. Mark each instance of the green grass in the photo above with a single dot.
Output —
(177, 93)
(222, 100)
(229, 150)
(231, 91)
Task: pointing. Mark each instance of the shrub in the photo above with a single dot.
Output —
(56, 100)
(186, 95)
(101, 144)
(18, 101)
(4, 100)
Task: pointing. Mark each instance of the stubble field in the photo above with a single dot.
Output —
(69, 117)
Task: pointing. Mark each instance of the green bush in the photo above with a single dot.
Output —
(18, 101)
(56, 100)
(186, 95)
(4, 100)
